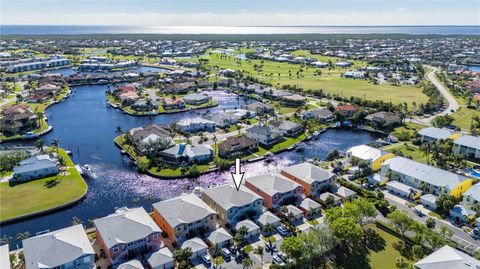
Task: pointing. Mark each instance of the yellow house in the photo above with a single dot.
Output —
(373, 156)
(461, 188)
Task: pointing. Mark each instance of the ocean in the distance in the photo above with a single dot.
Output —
(83, 29)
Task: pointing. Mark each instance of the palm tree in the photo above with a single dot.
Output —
(5, 240)
(23, 236)
(247, 263)
(75, 221)
(181, 257)
(55, 143)
(268, 228)
(119, 131)
(39, 144)
(260, 251)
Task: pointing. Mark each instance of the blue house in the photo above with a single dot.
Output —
(35, 167)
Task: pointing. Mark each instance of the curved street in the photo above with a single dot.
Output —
(452, 102)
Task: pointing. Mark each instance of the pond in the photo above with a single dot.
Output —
(86, 124)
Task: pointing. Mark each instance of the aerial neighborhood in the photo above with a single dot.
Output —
(125, 152)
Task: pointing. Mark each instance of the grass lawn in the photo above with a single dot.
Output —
(386, 258)
(408, 150)
(330, 81)
(42, 194)
(248, 248)
(463, 117)
(288, 142)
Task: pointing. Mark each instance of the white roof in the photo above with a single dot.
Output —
(219, 236)
(429, 174)
(132, 264)
(4, 257)
(308, 203)
(273, 183)
(56, 248)
(251, 226)
(448, 258)
(473, 192)
(184, 209)
(195, 244)
(308, 172)
(366, 153)
(400, 186)
(197, 120)
(294, 210)
(345, 192)
(160, 257)
(468, 141)
(126, 225)
(227, 196)
(429, 198)
(436, 133)
(267, 218)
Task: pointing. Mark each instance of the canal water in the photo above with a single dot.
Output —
(86, 124)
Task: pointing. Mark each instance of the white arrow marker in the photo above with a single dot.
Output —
(237, 176)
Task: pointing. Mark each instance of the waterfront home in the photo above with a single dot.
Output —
(24, 67)
(253, 231)
(310, 208)
(323, 198)
(461, 213)
(434, 134)
(4, 257)
(179, 88)
(319, 115)
(197, 246)
(196, 98)
(347, 110)
(152, 133)
(66, 248)
(365, 154)
(36, 98)
(313, 179)
(161, 259)
(224, 120)
(287, 128)
(173, 103)
(402, 190)
(263, 134)
(220, 237)
(268, 218)
(191, 216)
(132, 264)
(127, 233)
(294, 100)
(145, 105)
(429, 201)
(275, 189)
(17, 119)
(194, 125)
(383, 119)
(35, 167)
(468, 146)
(242, 113)
(184, 154)
(231, 205)
(261, 108)
(425, 177)
(472, 195)
(448, 257)
(237, 146)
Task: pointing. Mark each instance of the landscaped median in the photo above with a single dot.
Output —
(23, 200)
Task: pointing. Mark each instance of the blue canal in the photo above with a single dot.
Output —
(86, 124)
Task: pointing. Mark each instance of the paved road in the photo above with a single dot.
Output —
(459, 235)
(452, 102)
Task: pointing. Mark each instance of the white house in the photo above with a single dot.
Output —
(468, 146)
(197, 246)
(472, 195)
(429, 201)
(263, 135)
(448, 257)
(220, 237)
(35, 167)
(434, 134)
(161, 259)
(193, 125)
(253, 230)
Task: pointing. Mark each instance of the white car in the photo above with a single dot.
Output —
(207, 260)
(277, 260)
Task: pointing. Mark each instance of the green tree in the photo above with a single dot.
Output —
(247, 263)
(293, 247)
(260, 251)
(182, 257)
(401, 221)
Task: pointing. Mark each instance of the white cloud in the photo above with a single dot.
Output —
(402, 9)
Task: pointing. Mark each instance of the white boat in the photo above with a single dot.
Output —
(87, 170)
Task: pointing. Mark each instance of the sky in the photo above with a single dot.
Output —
(240, 13)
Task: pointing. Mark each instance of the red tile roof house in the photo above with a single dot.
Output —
(275, 189)
(347, 110)
(127, 233)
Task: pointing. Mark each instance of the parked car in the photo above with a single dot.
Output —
(277, 260)
(283, 231)
(241, 255)
(475, 233)
(227, 255)
(283, 256)
(207, 260)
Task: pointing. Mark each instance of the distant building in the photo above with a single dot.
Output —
(294, 100)
(35, 167)
(184, 154)
(372, 156)
(384, 119)
(17, 119)
(237, 146)
(313, 179)
(261, 108)
(194, 125)
(287, 128)
(196, 99)
(127, 233)
(434, 134)
(171, 103)
(468, 146)
(319, 114)
(347, 110)
(190, 217)
(67, 248)
(263, 135)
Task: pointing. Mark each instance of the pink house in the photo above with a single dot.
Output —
(127, 233)
(275, 189)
